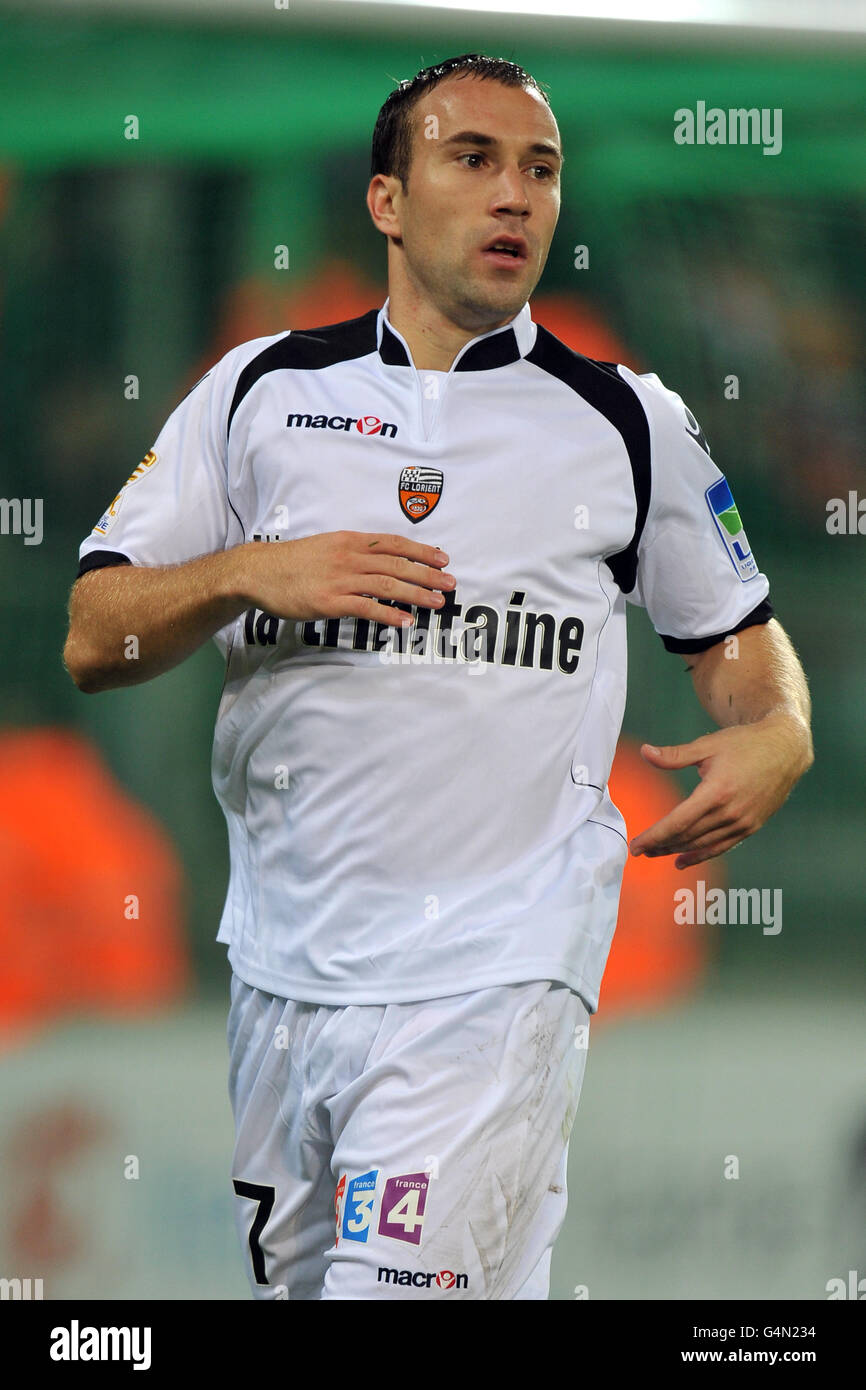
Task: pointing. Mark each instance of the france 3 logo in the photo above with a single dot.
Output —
(402, 1206)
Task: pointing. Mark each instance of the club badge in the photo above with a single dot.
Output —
(419, 490)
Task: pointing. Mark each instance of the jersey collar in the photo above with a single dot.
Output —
(495, 349)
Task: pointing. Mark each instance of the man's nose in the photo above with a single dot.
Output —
(511, 192)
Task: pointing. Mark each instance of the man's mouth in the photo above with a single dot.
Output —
(506, 251)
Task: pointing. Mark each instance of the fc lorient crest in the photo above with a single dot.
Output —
(420, 490)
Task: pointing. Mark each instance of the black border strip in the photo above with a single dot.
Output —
(99, 559)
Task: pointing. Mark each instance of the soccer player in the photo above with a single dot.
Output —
(413, 536)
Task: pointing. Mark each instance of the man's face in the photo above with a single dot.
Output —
(486, 168)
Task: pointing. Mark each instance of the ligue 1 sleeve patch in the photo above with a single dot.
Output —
(108, 518)
(729, 526)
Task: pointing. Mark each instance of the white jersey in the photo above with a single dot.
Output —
(416, 814)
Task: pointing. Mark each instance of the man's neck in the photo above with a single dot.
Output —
(434, 341)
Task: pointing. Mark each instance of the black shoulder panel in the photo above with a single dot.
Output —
(601, 385)
(309, 349)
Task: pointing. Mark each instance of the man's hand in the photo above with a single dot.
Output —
(746, 774)
(341, 574)
(747, 768)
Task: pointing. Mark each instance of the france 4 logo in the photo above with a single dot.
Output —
(402, 1205)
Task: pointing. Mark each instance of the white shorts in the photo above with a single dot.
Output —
(404, 1151)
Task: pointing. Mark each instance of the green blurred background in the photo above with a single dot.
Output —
(125, 256)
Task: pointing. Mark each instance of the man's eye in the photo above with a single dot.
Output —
(547, 172)
(472, 154)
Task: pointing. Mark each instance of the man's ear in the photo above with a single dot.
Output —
(383, 198)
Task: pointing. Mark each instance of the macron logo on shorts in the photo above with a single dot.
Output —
(419, 1279)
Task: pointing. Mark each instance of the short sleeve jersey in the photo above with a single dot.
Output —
(420, 813)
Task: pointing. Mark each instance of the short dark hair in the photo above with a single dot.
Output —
(394, 129)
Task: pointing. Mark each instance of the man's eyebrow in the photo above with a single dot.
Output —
(475, 137)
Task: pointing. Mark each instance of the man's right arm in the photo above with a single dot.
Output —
(170, 610)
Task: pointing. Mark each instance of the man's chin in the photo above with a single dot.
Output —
(483, 307)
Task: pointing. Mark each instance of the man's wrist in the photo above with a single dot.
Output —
(791, 726)
(234, 575)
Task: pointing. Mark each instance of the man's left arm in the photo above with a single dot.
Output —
(755, 689)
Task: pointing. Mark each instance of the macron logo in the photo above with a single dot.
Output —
(444, 1279)
(364, 424)
(75, 1343)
